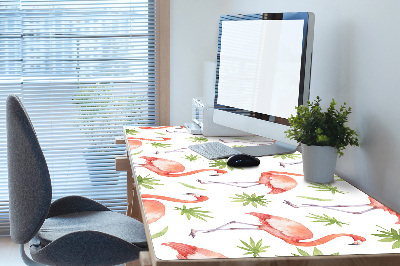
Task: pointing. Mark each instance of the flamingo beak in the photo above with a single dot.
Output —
(216, 174)
(289, 203)
(358, 242)
(192, 233)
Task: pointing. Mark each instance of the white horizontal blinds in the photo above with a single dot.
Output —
(10, 82)
(88, 68)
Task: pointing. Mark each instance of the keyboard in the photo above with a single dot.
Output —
(214, 150)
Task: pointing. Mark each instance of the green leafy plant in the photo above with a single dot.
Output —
(98, 103)
(252, 199)
(160, 145)
(326, 187)
(192, 157)
(253, 248)
(193, 212)
(147, 182)
(389, 236)
(312, 126)
(316, 252)
(325, 219)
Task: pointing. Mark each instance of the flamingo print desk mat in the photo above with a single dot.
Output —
(198, 208)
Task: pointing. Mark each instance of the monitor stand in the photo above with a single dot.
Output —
(265, 150)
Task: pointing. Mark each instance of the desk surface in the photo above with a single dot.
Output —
(197, 208)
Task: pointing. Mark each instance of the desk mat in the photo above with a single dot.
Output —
(198, 208)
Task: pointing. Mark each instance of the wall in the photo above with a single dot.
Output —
(355, 60)
(194, 41)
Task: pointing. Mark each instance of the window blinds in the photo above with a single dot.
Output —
(83, 69)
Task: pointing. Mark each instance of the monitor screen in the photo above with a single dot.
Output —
(256, 59)
(263, 71)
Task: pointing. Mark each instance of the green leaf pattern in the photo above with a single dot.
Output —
(160, 234)
(389, 236)
(148, 182)
(192, 157)
(313, 198)
(326, 187)
(316, 252)
(190, 186)
(252, 199)
(193, 212)
(292, 156)
(222, 164)
(253, 248)
(326, 219)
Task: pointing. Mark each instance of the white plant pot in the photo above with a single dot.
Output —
(319, 163)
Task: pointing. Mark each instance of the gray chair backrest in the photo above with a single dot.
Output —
(29, 183)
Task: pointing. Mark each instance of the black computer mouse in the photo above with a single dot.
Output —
(242, 160)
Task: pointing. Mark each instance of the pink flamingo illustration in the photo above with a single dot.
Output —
(161, 139)
(192, 252)
(278, 182)
(170, 168)
(135, 143)
(376, 205)
(155, 209)
(289, 231)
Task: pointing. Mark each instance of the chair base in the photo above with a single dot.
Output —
(26, 259)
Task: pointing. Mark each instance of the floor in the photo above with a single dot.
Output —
(9, 253)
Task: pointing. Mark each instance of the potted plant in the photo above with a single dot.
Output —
(323, 135)
(99, 106)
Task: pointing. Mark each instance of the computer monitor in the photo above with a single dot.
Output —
(263, 73)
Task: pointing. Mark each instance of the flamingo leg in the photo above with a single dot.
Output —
(229, 183)
(283, 173)
(333, 207)
(178, 150)
(193, 231)
(218, 173)
(175, 131)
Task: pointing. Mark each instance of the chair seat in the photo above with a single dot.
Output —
(108, 222)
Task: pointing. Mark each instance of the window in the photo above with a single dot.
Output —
(83, 69)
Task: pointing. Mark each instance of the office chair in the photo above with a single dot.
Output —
(70, 231)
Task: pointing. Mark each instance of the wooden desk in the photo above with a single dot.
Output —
(196, 208)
